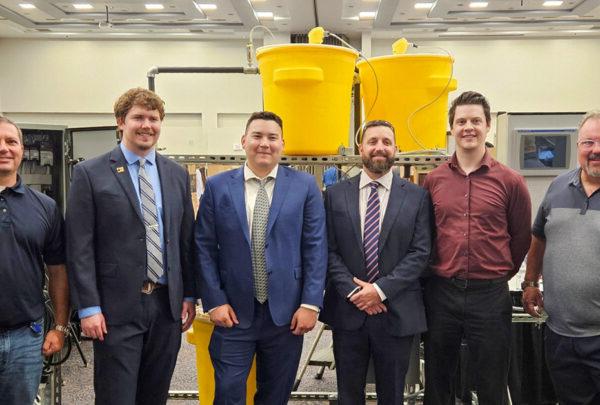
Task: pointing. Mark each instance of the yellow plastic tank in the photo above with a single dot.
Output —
(199, 336)
(411, 92)
(310, 87)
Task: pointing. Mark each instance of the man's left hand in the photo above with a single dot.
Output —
(188, 313)
(366, 297)
(53, 342)
(303, 321)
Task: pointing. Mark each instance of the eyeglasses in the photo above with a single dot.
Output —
(588, 144)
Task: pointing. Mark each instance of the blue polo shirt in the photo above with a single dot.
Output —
(31, 234)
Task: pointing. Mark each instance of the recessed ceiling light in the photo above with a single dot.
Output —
(264, 15)
(478, 4)
(83, 6)
(367, 15)
(423, 6)
(206, 6)
(552, 3)
(154, 6)
(27, 6)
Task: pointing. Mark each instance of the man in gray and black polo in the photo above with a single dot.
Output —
(565, 247)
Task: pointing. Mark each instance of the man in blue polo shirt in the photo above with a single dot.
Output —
(31, 234)
(566, 236)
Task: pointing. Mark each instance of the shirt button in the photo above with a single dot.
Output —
(466, 195)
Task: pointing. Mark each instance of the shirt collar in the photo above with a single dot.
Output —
(385, 180)
(133, 158)
(18, 188)
(575, 178)
(487, 161)
(249, 174)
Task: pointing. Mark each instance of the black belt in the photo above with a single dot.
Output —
(466, 283)
(14, 327)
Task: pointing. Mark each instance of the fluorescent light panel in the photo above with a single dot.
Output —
(478, 4)
(154, 6)
(206, 6)
(367, 15)
(83, 6)
(423, 6)
(553, 3)
(27, 6)
(264, 15)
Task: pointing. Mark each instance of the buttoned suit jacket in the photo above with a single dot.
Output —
(404, 248)
(295, 246)
(106, 237)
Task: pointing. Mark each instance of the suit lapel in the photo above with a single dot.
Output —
(352, 201)
(282, 185)
(119, 167)
(167, 189)
(394, 206)
(238, 198)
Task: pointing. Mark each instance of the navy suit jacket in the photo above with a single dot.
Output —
(106, 237)
(296, 250)
(404, 248)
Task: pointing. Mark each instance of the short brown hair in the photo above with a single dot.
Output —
(10, 122)
(377, 123)
(470, 98)
(141, 97)
(265, 115)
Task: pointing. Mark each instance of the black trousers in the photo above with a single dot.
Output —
(480, 313)
(353, 350)
(135, 362)
(574, 364)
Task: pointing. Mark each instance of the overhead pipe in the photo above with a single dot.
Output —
(155, 70)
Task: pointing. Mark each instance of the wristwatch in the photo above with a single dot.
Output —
(62, 328)
(526, 284)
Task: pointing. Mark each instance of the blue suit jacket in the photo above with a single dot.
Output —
(404, 247)
(296, 249)
(106, 237)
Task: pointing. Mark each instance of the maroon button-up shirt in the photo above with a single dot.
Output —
(483, 220)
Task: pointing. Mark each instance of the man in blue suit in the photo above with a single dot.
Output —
(129, 251)
(261, 245)
(379, 243)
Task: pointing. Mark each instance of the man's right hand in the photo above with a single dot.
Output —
(376, 309)
(94, 326)
(533, 301)
(223, 316)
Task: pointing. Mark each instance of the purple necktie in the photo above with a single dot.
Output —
(371, 234)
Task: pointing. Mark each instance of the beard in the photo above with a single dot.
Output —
(379, 167)
(592, 171)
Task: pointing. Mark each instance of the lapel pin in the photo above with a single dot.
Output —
(120, 169)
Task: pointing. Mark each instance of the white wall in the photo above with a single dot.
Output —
(75, 82)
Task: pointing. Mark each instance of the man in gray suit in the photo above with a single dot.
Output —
(379, 244)
(129, 233)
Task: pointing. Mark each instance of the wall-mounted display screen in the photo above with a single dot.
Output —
(545, 149)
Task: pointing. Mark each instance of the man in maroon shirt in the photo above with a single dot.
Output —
(482, 216)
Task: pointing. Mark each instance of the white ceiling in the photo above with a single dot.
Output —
(235, 18)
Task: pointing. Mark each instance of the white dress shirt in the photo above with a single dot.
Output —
(251, 191)
(385, 184)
